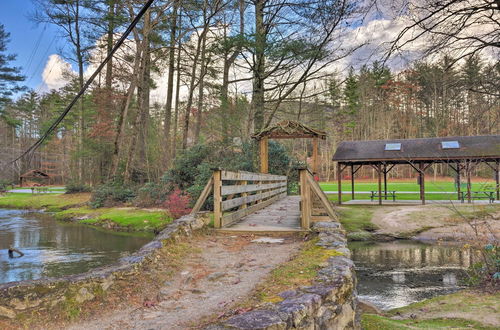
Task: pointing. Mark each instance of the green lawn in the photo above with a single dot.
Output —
(130, 219)
(70, 206)
(51, 202)
(439, 190)
(16, 189)
(460, 310)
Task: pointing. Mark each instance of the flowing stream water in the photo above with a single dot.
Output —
(396, 274)
(55, 249)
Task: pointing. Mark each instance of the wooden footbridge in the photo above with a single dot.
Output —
(258, 202)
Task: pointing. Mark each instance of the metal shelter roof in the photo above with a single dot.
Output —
(420, 150)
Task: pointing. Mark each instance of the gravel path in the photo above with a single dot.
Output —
(211, 282)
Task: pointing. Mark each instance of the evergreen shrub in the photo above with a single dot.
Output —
(112, 193)
(74, 187)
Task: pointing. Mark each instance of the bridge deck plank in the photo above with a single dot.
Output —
(284, 215)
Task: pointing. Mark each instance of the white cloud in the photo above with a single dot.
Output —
(55, 73)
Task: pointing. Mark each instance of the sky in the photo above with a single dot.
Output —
(33, 43)
(37, 46)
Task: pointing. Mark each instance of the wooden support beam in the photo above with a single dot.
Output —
(314, 187)
(204, 195)
(315, 156)
(217, 199)
(264, 155)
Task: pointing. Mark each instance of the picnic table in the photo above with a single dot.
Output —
(391, 193)
(39, 190)
(490, 195)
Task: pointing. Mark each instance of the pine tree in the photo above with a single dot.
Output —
(10, 76)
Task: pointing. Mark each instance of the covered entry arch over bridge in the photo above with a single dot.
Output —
(461, 153)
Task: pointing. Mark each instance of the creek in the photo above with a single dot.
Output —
(398, 273)
(54, 249)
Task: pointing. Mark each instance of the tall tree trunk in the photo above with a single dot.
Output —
(170, 83)
(203, 68)
(109, 45)
(177, 93)
(228, 62)
(192, 85)
(259, 71)
(81, 106)
(140, 121)
(122, 119)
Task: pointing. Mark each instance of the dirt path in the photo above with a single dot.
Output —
(434, 222)
(398, 220)
(224, 270)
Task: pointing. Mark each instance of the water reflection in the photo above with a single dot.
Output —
(54, 249)
(398, 273)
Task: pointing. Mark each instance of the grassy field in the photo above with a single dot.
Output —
(438, 190)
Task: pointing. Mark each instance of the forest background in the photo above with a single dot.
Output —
(229, 68)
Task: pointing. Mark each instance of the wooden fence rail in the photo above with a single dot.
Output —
(238, 194)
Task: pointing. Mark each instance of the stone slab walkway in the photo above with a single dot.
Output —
(284, 215)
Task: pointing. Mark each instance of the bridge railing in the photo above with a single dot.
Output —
(314, 204)
(239, 193)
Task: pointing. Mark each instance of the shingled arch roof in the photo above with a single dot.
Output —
(289, 129)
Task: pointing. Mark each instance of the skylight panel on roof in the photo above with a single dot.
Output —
(393, 146)
(450, 145)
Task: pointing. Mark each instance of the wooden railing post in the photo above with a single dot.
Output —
(305, 198)
(245, 194)
(264, 155)
(217, 199)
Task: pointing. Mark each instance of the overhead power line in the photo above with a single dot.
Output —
(89, 81)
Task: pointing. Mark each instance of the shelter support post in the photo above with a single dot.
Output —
(467, 173)
(379, 172)
(496, 169)
(339, 181)
(458, 179)
(385, 181)
(352, 180)
(497, 179)
(421, 173)
(264, 154)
